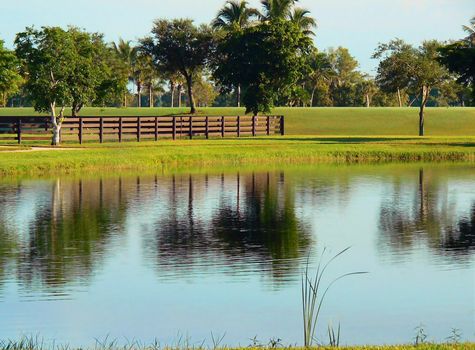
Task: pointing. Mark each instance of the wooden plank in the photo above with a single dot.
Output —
(190, 129)
(207, 128)
(101, 130)
(282, 125)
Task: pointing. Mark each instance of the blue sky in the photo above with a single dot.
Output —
(357, 24)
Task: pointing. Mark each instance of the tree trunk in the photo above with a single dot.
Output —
(189, 83)
(399, 97)
(238, 95)
(312, 97)
(57, 122)
(172, 92)
(125, 99)
(139, 95)
(150, 96)
(180, 93)
(368, 102)
(424, 97)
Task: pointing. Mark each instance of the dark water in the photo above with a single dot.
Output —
(178, 257)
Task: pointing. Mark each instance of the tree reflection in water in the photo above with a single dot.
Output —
(253, 224)
(429, 217)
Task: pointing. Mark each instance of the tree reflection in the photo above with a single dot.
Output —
(65, 236)
(252, 223)
(429, 217)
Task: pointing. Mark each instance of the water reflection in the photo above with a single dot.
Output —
(424, 212)
(54, 233)
(124, 254)
(251, 223)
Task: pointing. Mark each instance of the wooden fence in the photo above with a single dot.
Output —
(123, 128)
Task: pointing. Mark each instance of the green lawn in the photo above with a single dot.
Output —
(167, 155)
(368, 137)
(328, 121)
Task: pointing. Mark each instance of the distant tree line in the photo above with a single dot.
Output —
(256, 57)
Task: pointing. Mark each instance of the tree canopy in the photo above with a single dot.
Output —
(266, 60)
(10, 78)
(178, 46)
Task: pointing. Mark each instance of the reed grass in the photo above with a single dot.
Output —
(36, 343)
(313, 297)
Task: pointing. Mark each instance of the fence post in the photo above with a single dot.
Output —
(139, 125)
(239, 126)
(207, 127)
(101, 129)
(156, 128)
(174, 127)
(282, 125)
(268, 126)
(253, 125)
(18, 130)
(80, 130)
(222, 126)
(120, 129)
(190, 126)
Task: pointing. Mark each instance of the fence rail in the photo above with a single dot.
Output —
(126, 128)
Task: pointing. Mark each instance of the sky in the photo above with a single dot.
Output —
(358, 25)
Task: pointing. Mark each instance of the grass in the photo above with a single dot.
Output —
(327, 121)
(313, 136)
(38, 344)
(168, 156)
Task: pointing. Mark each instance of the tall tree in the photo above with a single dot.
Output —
(306, 23)
(459, 58)
(277, 9)
(268, 60)
(127, 53)
(10, 78)
(392, 76)
(49, 57)
(418, 67)
(235, 15)
(180, 46)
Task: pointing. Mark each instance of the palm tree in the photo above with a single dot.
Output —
(470, 30)
(306, 23)
(127, 54)
(235, 15)
(274, 9)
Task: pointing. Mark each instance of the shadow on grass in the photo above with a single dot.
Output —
(345, 139)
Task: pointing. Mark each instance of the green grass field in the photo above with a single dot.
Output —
(365, 135)
(170, 156)
(327, 121)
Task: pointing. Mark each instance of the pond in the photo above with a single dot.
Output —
(180, 257)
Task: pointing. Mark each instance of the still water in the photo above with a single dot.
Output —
(175, 258)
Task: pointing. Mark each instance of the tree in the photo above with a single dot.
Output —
(235, 15)
(180, 46)
(49, 57)
(127, 54)
(302, 19)
(393, 75)
(90, 68)
(321, 73)
(10, 78)
(367, 89)
(459, 58)
(277, 9)
(418, 68)
(268, 60)
(63, 69)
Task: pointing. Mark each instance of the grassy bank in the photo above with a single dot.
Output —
(327, 121)
(167, 156)
(27, 345)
